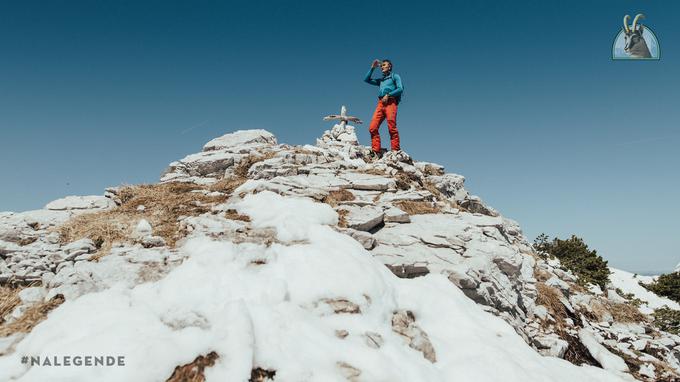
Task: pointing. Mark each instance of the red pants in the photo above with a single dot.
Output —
(388, 110)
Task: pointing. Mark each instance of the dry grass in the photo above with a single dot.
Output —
(227, 185)
(626, 313)
(194, 371)
(241, 170)
(550, 298)
(342, 218)
(31, 317)
(9, 299)
(234, 215)
(405, 180)
(163, 205)
(335, 197)
(541, 275)
(374, 171)
(261, 375)
(417, 207)
(300, 150)
(28, 240)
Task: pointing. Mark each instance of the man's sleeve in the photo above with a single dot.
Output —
(368, 78)
(400, 88)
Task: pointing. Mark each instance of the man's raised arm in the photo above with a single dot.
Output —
(368, 78)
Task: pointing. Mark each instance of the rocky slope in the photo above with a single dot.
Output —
(302, 248)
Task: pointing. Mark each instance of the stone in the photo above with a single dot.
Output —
(396, 215)
(360, 181)
(462, 280)
(348, 371)
(32, 295)
(450, 185)
(614, 297)
(363, 218)
(557, 283)
(408, 271)
(152, 241)
(403, 323)
(342, 333)
(647, 370)
(239, 138)
(373, 340)
(541, 312)
(551, 345)
(366, 239)
(79, 247)
(639, 344)
(143, 228)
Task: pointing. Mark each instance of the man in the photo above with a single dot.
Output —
(389, 96)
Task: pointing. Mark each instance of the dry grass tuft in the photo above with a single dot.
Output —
(241, 170)
(626, 313)
(417, 208)
(9, 299)
(541, 275)
(373, 171)
(261, 375)
(227, 185)
(405, 180)
(31, 317)
(550, 298)
(334, 197)
(342, 218)
(163, 205)
(194, 371)
(28, 240)
(234, 215)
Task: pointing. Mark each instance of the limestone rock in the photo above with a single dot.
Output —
(403, 323)
(241, 137)
(363, 218)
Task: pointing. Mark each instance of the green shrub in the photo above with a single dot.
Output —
(574, 255)
(667, 285)
(667, 320)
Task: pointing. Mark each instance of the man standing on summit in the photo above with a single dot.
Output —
(389, 96)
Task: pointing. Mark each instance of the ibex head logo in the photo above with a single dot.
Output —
(635, 44)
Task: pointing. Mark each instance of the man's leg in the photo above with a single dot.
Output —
(391, 112)
(378, 117)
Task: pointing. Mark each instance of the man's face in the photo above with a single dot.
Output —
(385, 67)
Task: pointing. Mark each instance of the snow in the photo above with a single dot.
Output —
(81, 203)
(608, 360)
(276, 316)
(628, 283)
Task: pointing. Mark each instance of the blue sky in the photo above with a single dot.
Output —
(520, 97)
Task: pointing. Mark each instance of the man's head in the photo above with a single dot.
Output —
(386, 66)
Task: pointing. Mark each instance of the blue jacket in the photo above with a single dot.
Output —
(389, 85)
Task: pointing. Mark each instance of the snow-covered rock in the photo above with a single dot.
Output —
(92, 202)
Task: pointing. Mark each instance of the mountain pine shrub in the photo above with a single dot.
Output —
(667, 285)
(575, 255)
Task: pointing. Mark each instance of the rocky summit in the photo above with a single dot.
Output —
(255, 260)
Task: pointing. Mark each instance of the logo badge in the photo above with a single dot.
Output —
(635, 41)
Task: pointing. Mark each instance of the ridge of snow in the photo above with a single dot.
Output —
(628, 283)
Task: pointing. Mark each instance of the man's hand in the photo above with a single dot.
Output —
(385, 98)
(375, 63)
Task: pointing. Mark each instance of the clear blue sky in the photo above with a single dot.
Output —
(520, 97)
